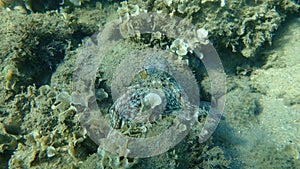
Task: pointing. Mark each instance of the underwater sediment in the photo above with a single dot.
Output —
(40, 129)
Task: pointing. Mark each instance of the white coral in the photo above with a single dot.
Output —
(202, 35)
(179, 47)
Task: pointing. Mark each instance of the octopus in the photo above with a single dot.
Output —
(152, 94)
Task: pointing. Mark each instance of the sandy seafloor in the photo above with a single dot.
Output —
(273, 136)
(261, 123)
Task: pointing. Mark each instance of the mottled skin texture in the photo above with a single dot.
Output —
(132, 106)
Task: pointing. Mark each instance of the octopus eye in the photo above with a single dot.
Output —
(144, 74)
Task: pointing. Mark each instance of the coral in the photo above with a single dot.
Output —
(62, 102)
(166, 29)
(128, 9)
(179, 47)
(243, 26)
(11, 77)
(103, 159)
(130, 86)
(33, 52)
(39, 128)
(50, 129)
(8, 143)
(176, 6)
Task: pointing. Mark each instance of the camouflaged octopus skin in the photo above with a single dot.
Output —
(133, 107)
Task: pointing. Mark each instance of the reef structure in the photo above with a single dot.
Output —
(244, 26)
(148, 87)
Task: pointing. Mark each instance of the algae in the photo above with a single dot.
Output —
(39, 128)
(244, 26)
